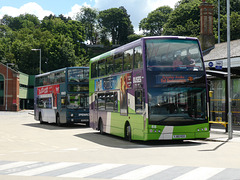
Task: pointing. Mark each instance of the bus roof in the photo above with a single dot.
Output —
(135, 43)
(59, 70)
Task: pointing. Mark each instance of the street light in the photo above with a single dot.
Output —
(230, 129)
(39, 60)
(11, 64)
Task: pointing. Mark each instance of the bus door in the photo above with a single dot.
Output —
(123, 103)
(61, 106)
(123, 95)
(139, 93)
(94, 109)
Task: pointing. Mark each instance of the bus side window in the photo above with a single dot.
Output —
(115, 101)
(94, 70)
(109, 65)
(101, 101)
(96, 102)
(139, 101)
(63, 101)
(109, 101)
(118, 65)
(101, 68)
(128, 60)
(138, 62)
(86, 75)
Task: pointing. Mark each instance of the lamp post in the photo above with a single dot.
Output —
(230, 129)
(11, 64)
(39, 60)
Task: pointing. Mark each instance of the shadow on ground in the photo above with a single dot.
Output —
(118, 142)
(53, 126)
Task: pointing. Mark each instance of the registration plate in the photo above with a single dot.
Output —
(179, 136)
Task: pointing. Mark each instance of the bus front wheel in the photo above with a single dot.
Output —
(128, 133)
(58, 120)
(100, 126)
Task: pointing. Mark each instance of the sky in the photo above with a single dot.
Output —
(137, 9)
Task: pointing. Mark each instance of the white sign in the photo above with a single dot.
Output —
(219, 65)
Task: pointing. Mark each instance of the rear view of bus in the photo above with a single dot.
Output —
(154, 88)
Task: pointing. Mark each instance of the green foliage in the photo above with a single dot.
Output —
(134, 37)
(88, 17)
(60, 40)
(153, 24)
(184, 20)
(117, 22)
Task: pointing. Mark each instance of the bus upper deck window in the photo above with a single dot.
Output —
(138, 62)
(94, 70)
(128, 60)
(101, 68)
(118, 63)
(109, 65)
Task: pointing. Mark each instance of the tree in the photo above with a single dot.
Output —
(22, 21)
(88, 17)
(153, 24)
(184, 20)
(117, 22)
(60, 40)
(134, 37)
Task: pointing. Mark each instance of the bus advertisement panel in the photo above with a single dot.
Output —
(139, 92)
(61, 96)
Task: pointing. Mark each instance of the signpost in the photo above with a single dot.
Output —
(219, 65)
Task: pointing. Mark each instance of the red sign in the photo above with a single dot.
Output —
(14, 101)
(48, 89)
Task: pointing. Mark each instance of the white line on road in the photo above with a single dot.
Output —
(44, 169)
(201, 173)
(15, 165)
(91, 170)
(143, 172)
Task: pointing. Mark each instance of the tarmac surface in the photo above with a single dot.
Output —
(217, 132)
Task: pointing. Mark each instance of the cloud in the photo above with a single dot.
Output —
(75, 9)
(30, 8)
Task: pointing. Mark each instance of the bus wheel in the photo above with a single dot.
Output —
(128, 133)
(100, 127)
(87, 124)
(40, 118)
(58, 120)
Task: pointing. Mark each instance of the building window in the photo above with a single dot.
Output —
(1, 90)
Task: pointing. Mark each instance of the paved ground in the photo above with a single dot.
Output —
(29, 150)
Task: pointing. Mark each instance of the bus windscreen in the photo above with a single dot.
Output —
(173, 55)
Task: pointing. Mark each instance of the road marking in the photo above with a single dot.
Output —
(114, 171)
(44, 169)
(91, 170)
(15, 165)
(143, 172)
(201, 173)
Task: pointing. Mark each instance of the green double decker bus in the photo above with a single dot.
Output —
(154, 88)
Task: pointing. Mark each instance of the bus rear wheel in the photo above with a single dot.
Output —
(128, 133)
(58, 120)
(100, 127)
(40, 118)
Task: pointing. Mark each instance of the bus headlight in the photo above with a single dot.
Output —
(71, 115)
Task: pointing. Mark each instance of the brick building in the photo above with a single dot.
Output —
(16, 89)
(9, 89)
